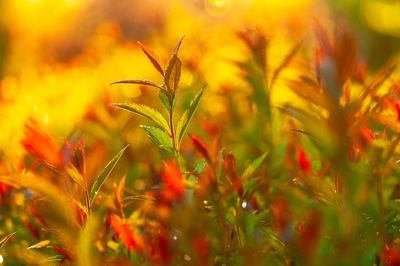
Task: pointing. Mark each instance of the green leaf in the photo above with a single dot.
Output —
(164, 99)
(158, 136)
(106, 172)
(251, 222)
(200, 166)
(138, 81)
(6, 238)
(254, 166)
(184, 121)
(145, 111)
(173, 73)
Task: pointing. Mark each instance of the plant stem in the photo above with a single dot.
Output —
(171, 124)
(87, 201)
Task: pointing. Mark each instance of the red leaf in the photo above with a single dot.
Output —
(390, 255)
(309, 235)
(361, 71)
(3, 189)
(281, 213)
(39, 216)
(62, 251)
(367, 133)
(172, 177)
(200, 146)
(178, 45)
(131, 239)
(153, 58)
(34, 231)
(201, 246)
(304, 163)
(42, 146)
(138, 81)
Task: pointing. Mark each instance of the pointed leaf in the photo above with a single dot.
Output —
(145, 111)
(285, 63)
(173, 73)
(254, 166)
(158, 136)
(40, 244)
(75, 175)
(178, 45)
(106, 172)
(184, 121)
(6, 238)
(153, 58)
(200, 147)
(138, 81)
(164, 99)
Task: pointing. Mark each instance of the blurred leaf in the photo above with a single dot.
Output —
(139, 197)
(250, 185)
(153, 58)
(6, 238)
(377, 80)
(75, 175)
(41, 244)
(253, 166)
(139, 81)
(173, 73)
(172, 176)
(119, 193)
(285, 63)
(310, 90)
(184, 121)
(79, 158)
(200, 146)
(131, 239)
(200, 166)
(260, 95)
(251, 222)
(106, 172)
(145, 111)
(62, 251)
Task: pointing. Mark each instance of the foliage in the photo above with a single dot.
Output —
(309, 182)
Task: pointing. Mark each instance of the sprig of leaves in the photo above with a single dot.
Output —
(168, 96)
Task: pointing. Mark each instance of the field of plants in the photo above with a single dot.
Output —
(199, 132)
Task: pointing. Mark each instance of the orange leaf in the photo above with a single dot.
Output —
(172, 177)
(42, 145)
(131, 239)
(118, 193)
(200, 146)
